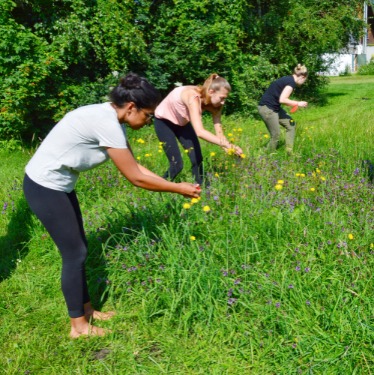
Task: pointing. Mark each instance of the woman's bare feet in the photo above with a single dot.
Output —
(92, 314)
(80, 326)
(99, 315)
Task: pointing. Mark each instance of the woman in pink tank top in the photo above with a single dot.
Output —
(179, 118)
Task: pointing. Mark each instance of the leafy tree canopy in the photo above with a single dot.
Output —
(59, 54)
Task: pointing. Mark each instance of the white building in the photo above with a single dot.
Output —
(358, 52)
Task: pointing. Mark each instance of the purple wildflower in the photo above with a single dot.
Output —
(231, 301)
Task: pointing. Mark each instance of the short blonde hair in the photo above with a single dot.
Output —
(301, 70)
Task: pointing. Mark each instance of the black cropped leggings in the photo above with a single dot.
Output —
(168, 133)
(59, 212)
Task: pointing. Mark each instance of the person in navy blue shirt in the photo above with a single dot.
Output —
(274, 115)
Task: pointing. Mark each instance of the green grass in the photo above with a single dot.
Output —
(267, 282)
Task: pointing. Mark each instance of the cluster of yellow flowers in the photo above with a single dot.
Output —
(279, 185)
(316, 174)
(193, 201)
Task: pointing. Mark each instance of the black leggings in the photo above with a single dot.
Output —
(59, 212)
(168, 133)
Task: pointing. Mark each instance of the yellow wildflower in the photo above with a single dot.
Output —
(266, 136)
(216, 174)
(206, 208)
(192, 238)
(195, 200)
(231, 151)
(312, 189)
(278, 187)
(350, 236)
(140, 140)
(186, 206)
(281, 182)
(212, 154)
(242, 156)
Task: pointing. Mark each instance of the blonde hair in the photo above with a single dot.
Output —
(215, 83)
(300, 70)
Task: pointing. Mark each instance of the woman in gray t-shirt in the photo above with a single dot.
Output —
(82, 140)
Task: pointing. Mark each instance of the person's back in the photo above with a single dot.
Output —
(173, 109)
(271, 96)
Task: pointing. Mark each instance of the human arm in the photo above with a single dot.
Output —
(285, 98)
(216, 115)
(194, 108)
(142, 168)
(141, 177)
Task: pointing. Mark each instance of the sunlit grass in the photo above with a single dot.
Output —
(270, 272)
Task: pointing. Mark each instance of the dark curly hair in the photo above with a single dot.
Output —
(136, 89)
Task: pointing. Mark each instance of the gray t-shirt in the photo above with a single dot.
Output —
(76, 143)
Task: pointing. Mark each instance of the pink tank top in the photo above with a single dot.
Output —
(173, 109)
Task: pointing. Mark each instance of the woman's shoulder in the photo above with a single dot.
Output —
(188, 93)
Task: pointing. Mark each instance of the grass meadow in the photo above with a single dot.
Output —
(270, 272)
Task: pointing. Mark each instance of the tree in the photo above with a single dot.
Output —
(58, 54)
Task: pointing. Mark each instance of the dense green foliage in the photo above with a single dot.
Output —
(274, 278)
(56, 55)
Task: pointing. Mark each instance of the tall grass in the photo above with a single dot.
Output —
(270, 272)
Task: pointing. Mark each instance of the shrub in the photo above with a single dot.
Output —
(367, 69)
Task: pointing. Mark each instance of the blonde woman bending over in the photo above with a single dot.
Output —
(179, 117)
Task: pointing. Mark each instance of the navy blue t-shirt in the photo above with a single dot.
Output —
(272, 94)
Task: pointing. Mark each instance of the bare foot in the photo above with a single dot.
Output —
(99, 315)
(89, 330)
(80, 326)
